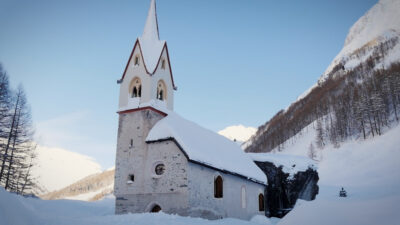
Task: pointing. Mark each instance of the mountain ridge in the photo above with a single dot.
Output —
(368, 52)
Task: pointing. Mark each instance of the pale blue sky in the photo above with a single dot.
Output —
(234, 62)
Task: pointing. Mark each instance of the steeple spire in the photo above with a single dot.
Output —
(150, 31)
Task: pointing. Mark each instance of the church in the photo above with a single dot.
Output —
(167, 163)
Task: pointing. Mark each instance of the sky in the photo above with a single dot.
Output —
(234, 62)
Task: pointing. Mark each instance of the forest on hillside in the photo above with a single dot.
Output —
(358, 102)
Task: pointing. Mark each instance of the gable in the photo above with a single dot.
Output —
(151, 58)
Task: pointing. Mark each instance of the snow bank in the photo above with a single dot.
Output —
(17, 210)
(291, 164)
(205, 146)
(368, 171)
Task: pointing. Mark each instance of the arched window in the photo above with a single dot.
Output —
(136, 87)
(260, 202)
(243, 197)
(218, 187)
(161, 91)
(163, 64)
(156, 209)
(136, 60)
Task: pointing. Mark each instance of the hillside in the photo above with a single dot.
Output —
(357, 96)
(368, 171)
(91, 188)
(53, 168)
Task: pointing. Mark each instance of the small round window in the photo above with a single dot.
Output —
(159, 169)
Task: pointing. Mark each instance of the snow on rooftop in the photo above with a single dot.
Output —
(206, 147)
(150, 42)
(291, 164)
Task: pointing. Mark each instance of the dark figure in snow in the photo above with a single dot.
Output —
(342, 193)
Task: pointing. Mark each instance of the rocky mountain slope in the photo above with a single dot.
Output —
(357, 96)
(91, 188)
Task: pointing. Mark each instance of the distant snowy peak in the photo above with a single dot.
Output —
(238, 132)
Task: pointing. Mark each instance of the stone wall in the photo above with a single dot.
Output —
(168, 190)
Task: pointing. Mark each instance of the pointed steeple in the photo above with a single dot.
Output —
(150, 31)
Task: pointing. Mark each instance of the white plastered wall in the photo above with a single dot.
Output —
(149, 82)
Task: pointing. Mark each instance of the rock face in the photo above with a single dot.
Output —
(283, 190)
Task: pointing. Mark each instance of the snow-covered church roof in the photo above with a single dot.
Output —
(206, 147)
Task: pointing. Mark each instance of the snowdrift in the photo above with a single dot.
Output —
(17, 210)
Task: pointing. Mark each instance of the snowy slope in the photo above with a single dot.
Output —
(16, 210)
(57, 168)
(90, 188)
(238, 132)
(368, 170)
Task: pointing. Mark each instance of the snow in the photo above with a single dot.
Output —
(205, 146)
(368, 171)
(57, 168)
(238, 132)
(17, 210)
(291, 164)
(150, 43)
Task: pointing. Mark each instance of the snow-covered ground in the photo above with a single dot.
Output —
(368, 171)
(17, 210)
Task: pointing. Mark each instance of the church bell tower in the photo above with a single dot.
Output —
(146, 96)
(147, 78)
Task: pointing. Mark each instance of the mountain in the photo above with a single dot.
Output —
(91, 188)
(239, 133)
(380, 24)
(56, 168)
(356, 97)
